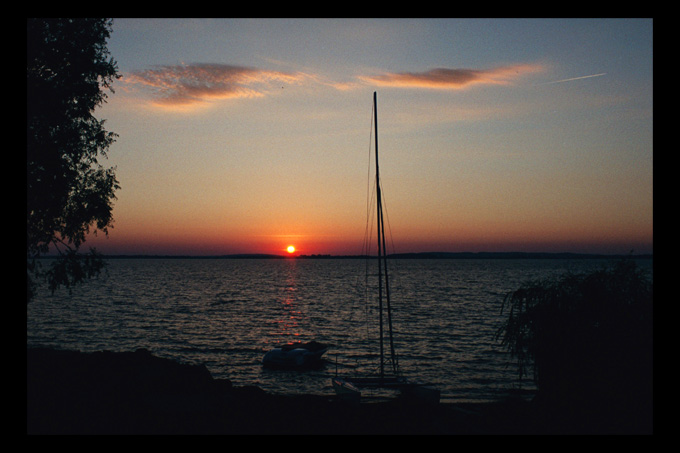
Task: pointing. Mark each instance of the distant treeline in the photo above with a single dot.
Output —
(513, 255)
(424, 255)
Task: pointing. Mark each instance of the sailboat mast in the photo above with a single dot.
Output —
(382, 257)
(379, 222)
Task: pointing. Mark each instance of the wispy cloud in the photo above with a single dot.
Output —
(189, 85)
(453, 79)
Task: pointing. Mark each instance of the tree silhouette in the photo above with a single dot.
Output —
(67, 191)
(589, 338)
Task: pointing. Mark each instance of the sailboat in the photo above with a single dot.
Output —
(388, 377)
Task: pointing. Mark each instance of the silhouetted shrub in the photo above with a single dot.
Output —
(588, 338)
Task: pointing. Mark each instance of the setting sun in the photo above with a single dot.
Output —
(290, 249)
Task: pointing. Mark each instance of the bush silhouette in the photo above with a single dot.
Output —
(589, 339)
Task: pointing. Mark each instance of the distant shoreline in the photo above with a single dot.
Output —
(421, 255)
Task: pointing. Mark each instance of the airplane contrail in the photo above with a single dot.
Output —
(576, 78)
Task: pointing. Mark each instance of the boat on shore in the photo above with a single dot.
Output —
(350, 388)
(297, 355)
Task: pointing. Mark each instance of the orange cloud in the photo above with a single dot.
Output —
(453, 79)
(188, 85)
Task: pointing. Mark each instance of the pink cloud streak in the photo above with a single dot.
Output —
(453, 79)
(187, 85)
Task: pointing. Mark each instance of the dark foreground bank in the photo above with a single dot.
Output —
(137, 393)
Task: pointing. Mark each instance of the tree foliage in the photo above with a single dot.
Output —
(68, 192)
(588, 337)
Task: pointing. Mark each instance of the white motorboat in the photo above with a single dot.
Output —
(295, 355)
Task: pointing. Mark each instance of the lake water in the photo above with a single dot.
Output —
(226, 313)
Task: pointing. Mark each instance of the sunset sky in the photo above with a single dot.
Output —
(247, 136)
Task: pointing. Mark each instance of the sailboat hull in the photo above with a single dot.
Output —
(350, 388)
(345, 390)
(374, 382)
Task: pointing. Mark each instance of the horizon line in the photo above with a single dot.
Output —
(450, 255)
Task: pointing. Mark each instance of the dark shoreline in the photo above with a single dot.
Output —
(70, 392)
(404, 256)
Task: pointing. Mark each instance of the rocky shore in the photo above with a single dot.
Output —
(138, 393)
